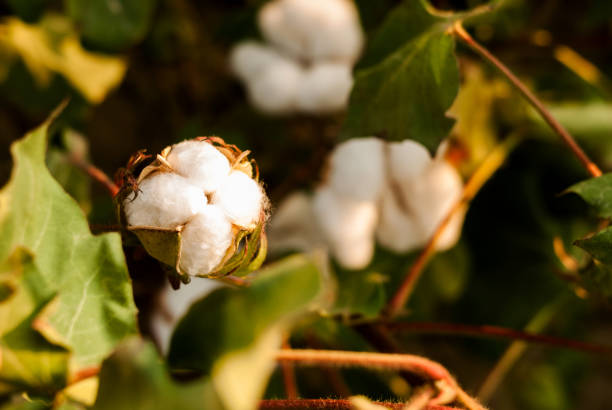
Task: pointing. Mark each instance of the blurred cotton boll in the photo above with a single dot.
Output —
(398, 229)
(313, 29)
(250, 59)
(275, 90)
(357, 168)
(325, 87)
(407, 160)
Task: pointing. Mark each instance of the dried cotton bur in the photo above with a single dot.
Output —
(307, 61)
(395, 193)
(198, 207)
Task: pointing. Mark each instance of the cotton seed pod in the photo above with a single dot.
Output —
(313, 29)
(398, 229)
(197, 207)
(250, 59)
(275, 90)
(325, 87)
(357, 169)
(348, 226)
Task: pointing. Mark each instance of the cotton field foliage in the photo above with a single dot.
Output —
(306, 63)
(393, 193)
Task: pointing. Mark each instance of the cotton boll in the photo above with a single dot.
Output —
(292, 227)
(452, 232)
(325, 87)
(205, 240)
(407, 160)
(275, 90)
(250, 59)
(398, 230)
(354, 254)
(203, 164)
(163, 200)
(274, 27)
(345, 222)
(172, 306)
(241, 198)
(357, 169)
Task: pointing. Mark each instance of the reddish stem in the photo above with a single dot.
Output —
(332, 404)
(97, 175)
(289, 381)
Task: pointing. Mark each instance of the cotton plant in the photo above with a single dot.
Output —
(395, 193)
(198, 207)
(305, 64)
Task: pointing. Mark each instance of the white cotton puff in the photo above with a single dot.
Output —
(325, 87)
(205, 240)
(250, 59)
(172, 306)
(291, 225)
(313, 29)
(345, 222)
(407, 160)
(432, 196)
(354, 254)
(163, 200)
(241, 198)
(357, 168)
(199, 161)
(398, 230)
(274, 91)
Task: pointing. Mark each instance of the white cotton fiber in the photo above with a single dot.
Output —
(163, 200)
(200, 162)
(241, 198)
(354, 254)
(250, 59)
(205, 240)
(274, 91)
(357, 168)
(344, 221)
(407, 160)
(313, 29)
(172, 306)
(398, 229)
(325, 87)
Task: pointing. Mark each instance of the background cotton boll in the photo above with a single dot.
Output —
(292, 227)
(205, 240)
(407, 160)
(325, 87)
(249, 59)
(357, 168)
(274, 27)
(241, 198)
(452, 232)
(275, 90)
(163, 200)
(172, 306)
(398, 230)
(343, 219)
(354, 254)
(203, 164)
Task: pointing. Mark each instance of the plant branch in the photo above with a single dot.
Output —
(498, 332)
(486, 169)
(96, 174)
(288, 372)
(332, 404)
(465, 37)
(428, 369)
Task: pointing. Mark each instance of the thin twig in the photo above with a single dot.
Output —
(96, 174)
(482, 174)
(498, 332)
(419, 365)
(465, 37)
(288, 372)
(331, 404)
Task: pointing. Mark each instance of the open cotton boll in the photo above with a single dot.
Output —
(325, 87)
(250, 59)
(354, 254)
(291, 225)
(163, 200)
(398, 230)
(357, 168)
(205, 240)
(407, 160)
(241, 198)
(452, 232)
(172, 306)
(275, 90)
(313, 29)
(199, 161)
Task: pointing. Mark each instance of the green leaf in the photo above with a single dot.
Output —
(597, 279)
(29, 361)
(597, 192)
(112, 25)
(93, 308)
(360, 293)
(233, 333)
(134, 377)
(407, 94)
(598, 245)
